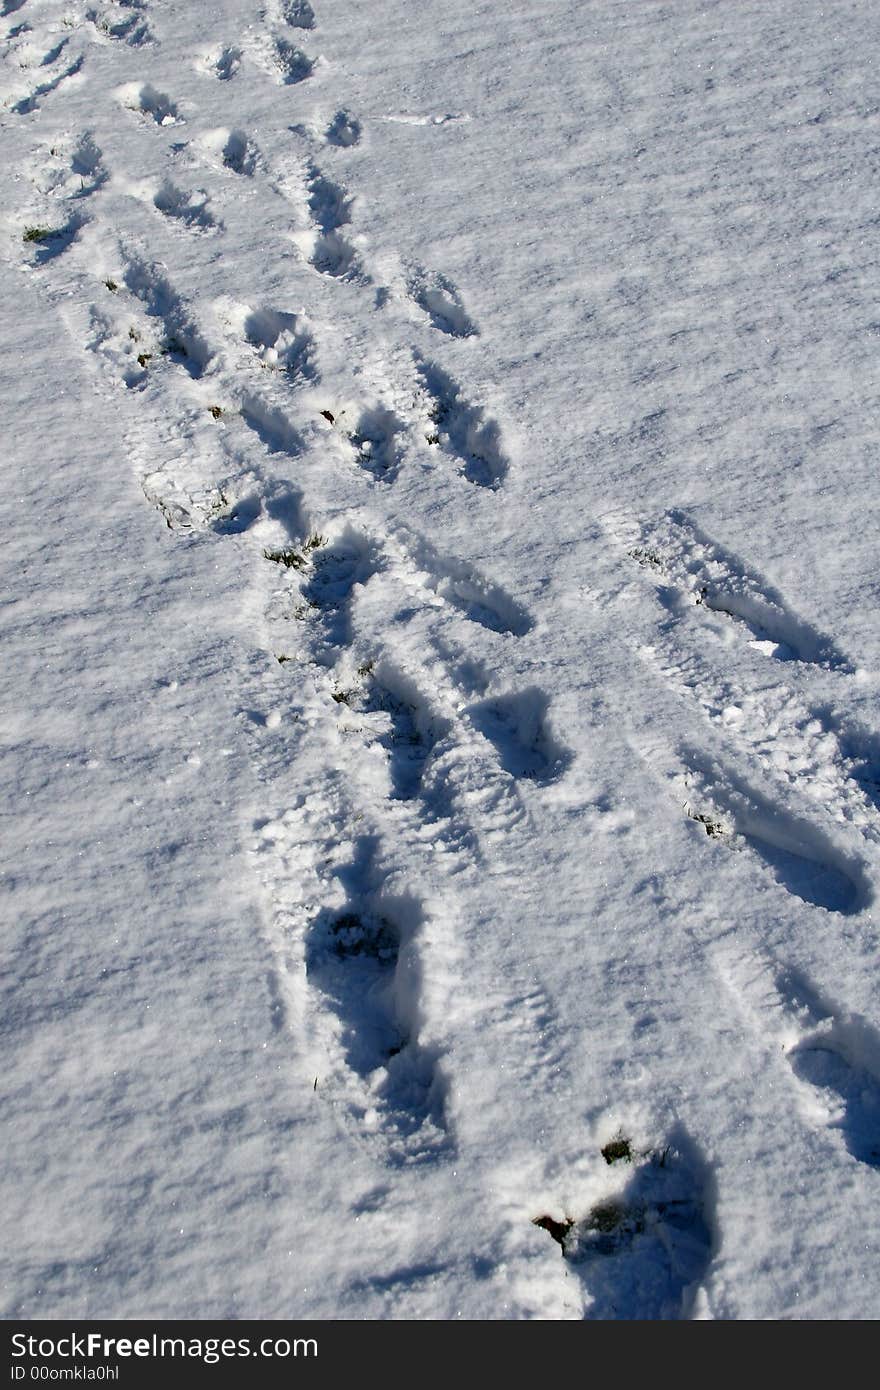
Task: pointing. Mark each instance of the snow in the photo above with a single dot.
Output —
(441, 660)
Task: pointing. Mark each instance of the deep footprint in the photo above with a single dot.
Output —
(336, 569)
(516, 726)
(30, 103)
(713, 577)
(293, 65)
(298, 14)
(822, 1061)
(802, 859)
(150, 102)
(352, 957)
(240, 154)
(51, 242)
(461, 585)
(282, 342)
(408, 733)
(441, 301)
(190, 209)
(344, 130)
(181, 340)
(462, 430)
(329, 204)
(822, 885)
(332, 255)
(644, 1253)
(373, 439)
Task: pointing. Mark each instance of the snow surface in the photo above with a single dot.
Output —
(440, 659)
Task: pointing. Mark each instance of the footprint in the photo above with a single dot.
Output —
(30, 103)
(231, 149)
(372, 432)
(461, 430)
(516, 725)
(282, 342)
(835, 1057)
(707, 574)
(802, 859)
(148, 101)
(330, 254)
(87, 164)
(644, 1252)
(120, 348)
(190, 209)
(240, 154)
(298, 14)
(441, 301)
(322, 244)
(134, 29)
(462, 586)
(271, 426)
(180, 337)
(400, 720)
(28, 55)
(351, 956)
(812, 745)
(860, 750)
(354, 957)
(291, 63)
(333, 570)
(373, 439)
(830, 1060)
(48, 243)
(222, 63)
(344, 130)
(329, 204)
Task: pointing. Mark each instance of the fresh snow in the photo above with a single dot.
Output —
(441, 659)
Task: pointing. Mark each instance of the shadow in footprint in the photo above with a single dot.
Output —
(516, 726)
(643, 1254)
(462, 430)
(374, 439)
(801, 857)
(87, 164)
(227, 63)
(298, 14)
(151, 102)
(240, 154)
(134, 30)
(352, 957)
(271, 426)
(813, 882)
(408, 730)
(182, 339)
(281, 341)
(725, 584)
(293, 65)
(191, 209)
(462, 586)
(337, 568)
(831, 1062)
(441, 301)
(861, 747)
(329, 204)
(284, 505)
(51, 243)
(344, 130)
(333, 255)
(30, 103)
(238, 517)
